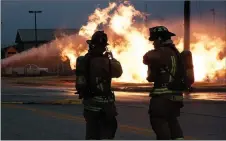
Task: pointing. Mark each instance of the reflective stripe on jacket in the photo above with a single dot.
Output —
(97, 102)
(172, 95)
(92, 108)
(159, 91)
(100, 99)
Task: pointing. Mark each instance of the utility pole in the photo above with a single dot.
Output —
(186, 25)
(199, 9)
(35, 12)
(214, 14)
(146, 16)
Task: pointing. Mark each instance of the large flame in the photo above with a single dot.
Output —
(128, 39)
(206, 56)
(129, 42)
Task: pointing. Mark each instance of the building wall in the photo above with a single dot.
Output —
(10, 51)
(53, 63)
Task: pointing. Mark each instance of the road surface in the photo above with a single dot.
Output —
(200, 119)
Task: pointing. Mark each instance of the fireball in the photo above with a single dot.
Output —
(129, 42)
(128, 39)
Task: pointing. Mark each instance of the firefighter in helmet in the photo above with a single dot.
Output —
(165, 103)
(94, 72)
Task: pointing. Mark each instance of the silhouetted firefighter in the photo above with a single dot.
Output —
(172, 73)
(94, 72)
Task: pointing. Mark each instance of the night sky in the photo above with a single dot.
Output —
(74, 13)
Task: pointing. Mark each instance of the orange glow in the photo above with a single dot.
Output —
(129, 42)
(71, 56)
(205, 55)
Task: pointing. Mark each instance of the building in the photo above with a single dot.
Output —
(8, 51)
(25, 40)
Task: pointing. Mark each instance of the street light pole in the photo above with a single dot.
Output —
(35, 12)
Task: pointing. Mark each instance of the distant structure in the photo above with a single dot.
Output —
(25, 39)
(8, 51)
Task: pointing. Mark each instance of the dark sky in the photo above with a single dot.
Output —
(74, 13)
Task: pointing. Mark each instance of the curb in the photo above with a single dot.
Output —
(58, 102)
(12, 102)
(195, 89)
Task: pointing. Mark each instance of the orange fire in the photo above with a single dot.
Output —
(205, 56)
(129, 42)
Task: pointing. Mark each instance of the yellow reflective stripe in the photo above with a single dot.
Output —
(173, 69)
(179, 139)
(91, 108)
(98, 97)
(161, 89)
(101, 99)
(164, 92)
(176, 98)
(174, 65)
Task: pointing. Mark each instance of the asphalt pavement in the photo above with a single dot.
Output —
(45, 120)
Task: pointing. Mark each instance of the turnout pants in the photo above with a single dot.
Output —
(100, 124)
(163, 118)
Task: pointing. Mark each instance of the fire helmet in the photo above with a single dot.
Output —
(98, 38)
(160, 31)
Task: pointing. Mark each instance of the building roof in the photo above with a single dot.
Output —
(28, 35)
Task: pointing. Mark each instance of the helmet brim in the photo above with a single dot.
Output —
(90, 42)
(152, 38)
(171, 34)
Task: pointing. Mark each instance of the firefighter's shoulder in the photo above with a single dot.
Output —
(116, 68)
(151, 56)
(80, 63)
(80, 58)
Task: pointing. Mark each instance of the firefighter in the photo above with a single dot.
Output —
(165, 103)
(94, 72)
